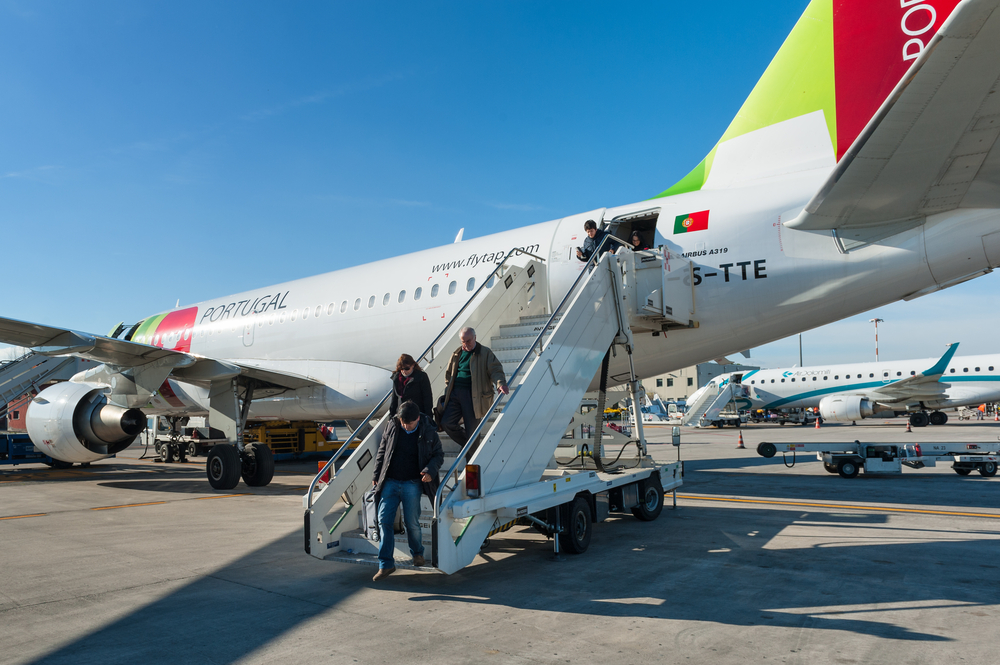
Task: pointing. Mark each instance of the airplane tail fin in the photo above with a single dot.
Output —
(839, 64)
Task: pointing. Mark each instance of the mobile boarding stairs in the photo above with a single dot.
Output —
(513, 478)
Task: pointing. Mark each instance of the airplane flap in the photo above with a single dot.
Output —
(931, 147)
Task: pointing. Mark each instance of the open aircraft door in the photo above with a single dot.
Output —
(564, 267)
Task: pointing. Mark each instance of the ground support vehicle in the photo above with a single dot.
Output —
(515, 475)
(848, 459)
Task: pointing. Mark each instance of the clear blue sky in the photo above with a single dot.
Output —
(158, 151)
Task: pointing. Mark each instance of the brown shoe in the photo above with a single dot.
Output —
(419, 560)
(383, 573)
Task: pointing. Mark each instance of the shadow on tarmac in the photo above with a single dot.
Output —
(698, 564)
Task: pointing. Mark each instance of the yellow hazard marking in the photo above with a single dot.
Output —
(129, 505)
(17, 517)
(844, 506)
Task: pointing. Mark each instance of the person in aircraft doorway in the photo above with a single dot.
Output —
(593, 241)
(407, 463)
(636, 242)
(410, 384)
(472, 373)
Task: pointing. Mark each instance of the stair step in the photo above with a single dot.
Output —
(372, 560)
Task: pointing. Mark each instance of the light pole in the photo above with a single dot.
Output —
(876, 322)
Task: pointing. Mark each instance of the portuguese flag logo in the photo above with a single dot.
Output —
(692, 221)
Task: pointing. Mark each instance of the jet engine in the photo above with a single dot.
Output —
(74, 422)
(847, 408)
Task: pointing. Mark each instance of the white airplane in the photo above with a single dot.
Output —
(861, 170)
(845, 393)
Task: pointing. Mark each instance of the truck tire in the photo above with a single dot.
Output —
(650, 499)
(167, 453)
(988, 469)
(847, 468)
(765, 449)
(223, 466)
(578, 526)
(830, 468)
(258, 465)
(192, 449)
(961, 470)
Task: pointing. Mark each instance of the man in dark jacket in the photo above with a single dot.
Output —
(407, 463)
(593, 241)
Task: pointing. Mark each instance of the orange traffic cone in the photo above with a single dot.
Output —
(996, 416)
(908, 426)
(740, 445)
(817, 422)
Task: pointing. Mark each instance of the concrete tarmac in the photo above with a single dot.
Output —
(134, 561)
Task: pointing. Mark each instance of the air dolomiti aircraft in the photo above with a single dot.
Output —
(846, 393)
(861, 170)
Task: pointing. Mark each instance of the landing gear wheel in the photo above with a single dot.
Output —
(167, 453)
(988, 469)
(578, 526)
(258, 465)
(919, 419)
(961, 471)
(650, 499)
(192, 449)
(765, 449)
(847, 468)
(223, 466)
(158, 446)
(938, 418)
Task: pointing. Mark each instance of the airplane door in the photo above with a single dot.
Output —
(564, 267)
(248, 326)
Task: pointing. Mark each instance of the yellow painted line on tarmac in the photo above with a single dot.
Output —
(129, 505)
(221, 496)
(18, 517)
(838, 506)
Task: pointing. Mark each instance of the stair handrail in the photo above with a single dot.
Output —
(555, 312)
(347, 442)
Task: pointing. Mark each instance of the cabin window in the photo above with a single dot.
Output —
(965, 369)
(826, 378)
(772, 380)
(471, 284)
(319, 310)
(416, 293)
(793, 379)
(870, 376)
(281, 318)
(884, 374)
(977, 369)
(305, 314)
(752, 382)
(991, 368)
(952, 370)
(492, 280)
(814, 378)
(782, 380)
(899, 374)
(371, 302)
(434, 290)
(402, 296)
(452, 287)
(385, 300)
(343, 307)
(912, 373)
(295, 313)
(357, 304)
(836, 378)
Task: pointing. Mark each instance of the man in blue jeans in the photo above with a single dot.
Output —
(406, 466)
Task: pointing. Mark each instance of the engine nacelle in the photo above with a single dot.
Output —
(847, 408)
(73, 422)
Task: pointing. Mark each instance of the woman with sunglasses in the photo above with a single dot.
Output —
(411, 384)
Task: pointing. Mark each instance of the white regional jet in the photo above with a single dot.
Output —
(862, 169)
(845, 393)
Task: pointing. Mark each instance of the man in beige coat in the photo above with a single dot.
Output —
(469, 382)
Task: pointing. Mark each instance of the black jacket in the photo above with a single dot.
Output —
(430, 455)
(590, 245)
(418, 391)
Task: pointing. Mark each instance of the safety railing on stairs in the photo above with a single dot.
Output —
(329, 467)
(557, 311)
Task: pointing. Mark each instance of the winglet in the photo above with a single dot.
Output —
(942, 364)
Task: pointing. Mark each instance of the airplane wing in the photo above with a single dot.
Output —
(922, 386)
(931, 147)
(200, 370)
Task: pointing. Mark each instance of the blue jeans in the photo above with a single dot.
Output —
(393, 492)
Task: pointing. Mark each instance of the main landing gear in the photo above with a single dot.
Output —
(229, 406)
(923, 419)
